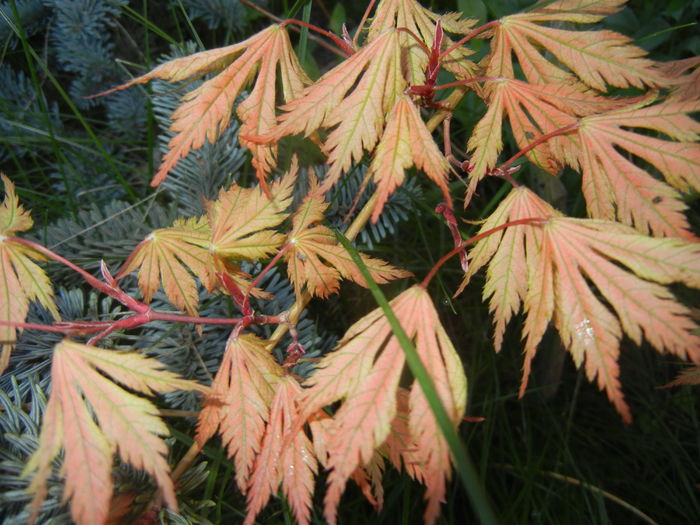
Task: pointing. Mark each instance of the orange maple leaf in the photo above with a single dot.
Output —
(409, 14)
(283, 459)
(21, 280)
(364, 372)
(242, 219)
(532, 111)
(126, 424)
(406, 141)
(689, 376)
(239, 224)
(561, 270)
(244, 388)
(374, 75)
(206, 110)
(685, 77)
(316, 259)
(597, 58)
(616, 188)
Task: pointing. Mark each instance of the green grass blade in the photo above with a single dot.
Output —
(465, 466)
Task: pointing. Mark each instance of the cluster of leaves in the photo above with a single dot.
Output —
(595, 279)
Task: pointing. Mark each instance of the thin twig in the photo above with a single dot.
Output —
(277, 19)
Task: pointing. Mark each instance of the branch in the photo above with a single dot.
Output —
(472, 240)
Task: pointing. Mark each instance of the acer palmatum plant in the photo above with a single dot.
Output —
(573, 100)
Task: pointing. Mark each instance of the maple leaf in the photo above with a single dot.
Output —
(160, 257)
(596, 57)
(406, 141)
(685, 77)
(615, 187)
(364, 372)
(400, 445)
(244, 388)
(238, 225)
(532, 111)
(596, 279)
(126, 424)
(21, 280)
(409, 14)
(689, 376)
(369, 479)
(354, 98)
(242, 219)
(317, 260)
(508, 272)
(206, 110)
(283, 459)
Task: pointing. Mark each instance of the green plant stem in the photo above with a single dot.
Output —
(29, 57)
(460, 456)
(573, 481)
(86, 126)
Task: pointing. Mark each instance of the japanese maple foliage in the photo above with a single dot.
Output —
(572, 99)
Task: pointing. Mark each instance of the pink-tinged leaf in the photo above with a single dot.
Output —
(284, 459)
(444, 366)
(244, 388)
(354, 99)
(615, 187)
(401, 447)
(690, 376)
(596, 280)
(406, 142)
(126, 424)
(369, 479)
(685, 77)
(597, 58)
(364, 372)
(510, 253)
(533, 110)
(206, 110)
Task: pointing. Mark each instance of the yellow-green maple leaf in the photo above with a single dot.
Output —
(238, 225)
(126, 424)
(21, 279)
(242, 220)
(317, 261)
(160, 258)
